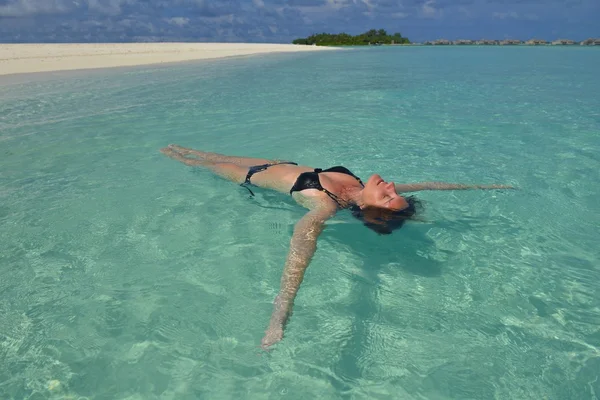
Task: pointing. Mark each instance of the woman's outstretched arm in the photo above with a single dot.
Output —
(413, 187)
(302, 248)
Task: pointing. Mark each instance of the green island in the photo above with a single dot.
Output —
(378, 37)
(372, 37)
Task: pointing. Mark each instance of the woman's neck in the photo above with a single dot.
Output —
(353, 195)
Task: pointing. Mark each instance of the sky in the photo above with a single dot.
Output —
(281, 21)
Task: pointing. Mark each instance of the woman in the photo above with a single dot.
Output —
(323, 192)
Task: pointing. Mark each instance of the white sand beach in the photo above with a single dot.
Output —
(28, 58)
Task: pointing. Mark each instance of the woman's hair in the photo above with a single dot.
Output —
(384, 221)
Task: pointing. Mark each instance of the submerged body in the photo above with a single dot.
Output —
(376, 202)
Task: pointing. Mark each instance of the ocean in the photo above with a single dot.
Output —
(127, 275)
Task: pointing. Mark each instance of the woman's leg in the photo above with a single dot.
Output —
(216, 157)
(233, 172)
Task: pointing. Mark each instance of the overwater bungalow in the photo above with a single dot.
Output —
(463, 42)
(536, 42)
(563, 42)
(591, 42)
(487, 42)
(510, 42)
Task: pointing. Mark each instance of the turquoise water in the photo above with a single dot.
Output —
(127, 275)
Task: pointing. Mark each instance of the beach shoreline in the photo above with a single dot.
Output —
(49, 57)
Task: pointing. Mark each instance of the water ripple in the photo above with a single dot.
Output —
(127, 275)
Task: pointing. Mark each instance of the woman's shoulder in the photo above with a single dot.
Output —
(340, 169)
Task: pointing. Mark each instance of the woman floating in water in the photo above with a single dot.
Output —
(376, 203)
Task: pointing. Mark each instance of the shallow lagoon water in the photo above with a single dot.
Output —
(126, 275)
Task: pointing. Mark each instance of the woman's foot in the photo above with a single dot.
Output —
(180, 149)
(168, 151)
(192, 162)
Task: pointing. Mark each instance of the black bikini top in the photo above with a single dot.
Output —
(310, 180)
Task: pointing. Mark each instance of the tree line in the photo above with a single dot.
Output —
(371, 37)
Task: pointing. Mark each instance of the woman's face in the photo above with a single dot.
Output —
(382, 194)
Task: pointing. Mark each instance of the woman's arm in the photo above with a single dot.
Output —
(302, 247)
(413, 187)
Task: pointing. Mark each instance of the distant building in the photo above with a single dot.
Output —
(591, 42)
(563, 42)
(536, 42)
(510, 42)
(487, 42)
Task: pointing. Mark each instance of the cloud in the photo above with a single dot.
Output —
(514, 15)
(284, 20)
(179, 21)
(465, 12)
(29, 8)
(429, 10)
(504, 15)
(22, 8)
(108, 7)
(306, 3)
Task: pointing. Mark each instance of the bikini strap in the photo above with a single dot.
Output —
(258, 168)
(331, 195)
(343, 170)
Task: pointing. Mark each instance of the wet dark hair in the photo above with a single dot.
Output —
(385, 221)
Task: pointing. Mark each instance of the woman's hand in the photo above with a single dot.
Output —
(273, 335)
